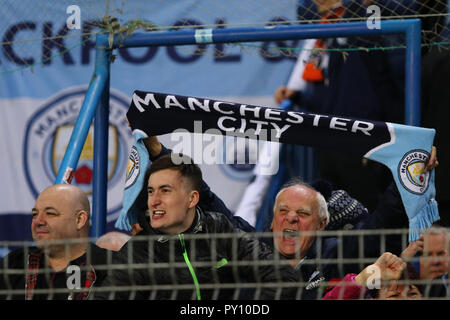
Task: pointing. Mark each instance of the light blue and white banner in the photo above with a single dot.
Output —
(45, 69)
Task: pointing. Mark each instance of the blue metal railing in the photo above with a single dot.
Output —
(98, 91)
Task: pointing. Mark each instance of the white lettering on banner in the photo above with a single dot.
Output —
(298, 118)
(204, 106)
(335, 122)
(244, 108)
(269, 112)
(52, 120)
(356, 127)
(317, 118)
(234, 121)
(280, 130)
(222, 127)
(363, 126)
(218, 103)
(171, 101)
(260, 125)
(148, 97)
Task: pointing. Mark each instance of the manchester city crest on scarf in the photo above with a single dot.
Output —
(411, 171)
(133, 167)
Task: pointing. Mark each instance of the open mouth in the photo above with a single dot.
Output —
(290, 234)
(158, 213)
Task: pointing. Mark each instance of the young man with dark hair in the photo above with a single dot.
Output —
(185, 252)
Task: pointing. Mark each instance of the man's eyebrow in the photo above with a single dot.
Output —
(159, 187)
(46, 208)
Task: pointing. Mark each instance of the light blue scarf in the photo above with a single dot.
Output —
(138, 163)
(405, 155)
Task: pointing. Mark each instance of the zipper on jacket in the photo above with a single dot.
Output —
(191, 269)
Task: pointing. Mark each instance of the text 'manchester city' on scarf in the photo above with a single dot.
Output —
(403, 149)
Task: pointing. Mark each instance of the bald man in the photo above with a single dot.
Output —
(63, 258)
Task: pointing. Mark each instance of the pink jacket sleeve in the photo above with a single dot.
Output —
(347, 289)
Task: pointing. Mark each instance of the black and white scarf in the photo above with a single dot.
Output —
(403, 149)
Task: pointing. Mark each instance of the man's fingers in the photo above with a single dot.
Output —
(399, 265)
(389, 260)
(280, 94)
(419, 245)
(386, 259)
(432, 161)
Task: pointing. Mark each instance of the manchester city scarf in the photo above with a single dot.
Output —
(138, 163)
(403, 149)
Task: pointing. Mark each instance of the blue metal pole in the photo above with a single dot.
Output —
(81, 128)
(412, 73)
(101, 130)
(229, 35)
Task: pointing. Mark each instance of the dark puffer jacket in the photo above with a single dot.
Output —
(207, 266)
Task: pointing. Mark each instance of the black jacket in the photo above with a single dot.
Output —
(439, 289)
(216, 263)
(15, 266)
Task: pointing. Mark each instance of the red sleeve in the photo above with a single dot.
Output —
(347, 289)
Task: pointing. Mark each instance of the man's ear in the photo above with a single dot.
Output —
(323, 224)
(271, 226)
(82, 219)
(194, 198)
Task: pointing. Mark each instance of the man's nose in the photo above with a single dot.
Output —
(39, 220)
(292, 217)
(154, 200)
(437, 260)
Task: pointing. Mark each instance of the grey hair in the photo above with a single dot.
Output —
(323, 207)
(437, 228)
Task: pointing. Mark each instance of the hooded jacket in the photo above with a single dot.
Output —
(197, 265)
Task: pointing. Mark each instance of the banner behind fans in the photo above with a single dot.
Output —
(39, 105)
